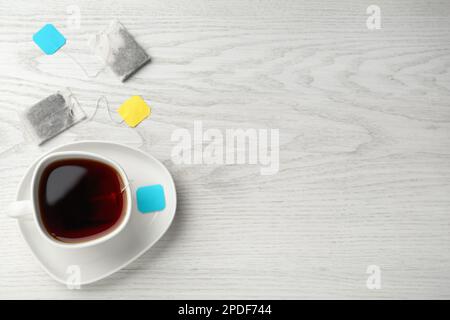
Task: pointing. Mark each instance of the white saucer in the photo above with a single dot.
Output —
(141, 232)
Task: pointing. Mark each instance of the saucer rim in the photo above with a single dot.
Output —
(129, 261)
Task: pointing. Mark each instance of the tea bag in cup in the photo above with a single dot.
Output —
(119, 50)
(51, 116)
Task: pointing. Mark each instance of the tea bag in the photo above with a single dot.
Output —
(52, 115)
(119, 50)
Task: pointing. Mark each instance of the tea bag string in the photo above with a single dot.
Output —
(97, 106)
(95, 75)
(74, 101)
(108, 54)
(129, 182)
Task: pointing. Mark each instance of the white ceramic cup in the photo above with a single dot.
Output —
(24, 208)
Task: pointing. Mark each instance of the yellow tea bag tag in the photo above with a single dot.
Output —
(134, 110)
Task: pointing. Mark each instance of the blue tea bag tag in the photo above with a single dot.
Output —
(49, 39)
(150, 198)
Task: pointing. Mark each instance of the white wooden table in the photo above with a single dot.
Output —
(364, 120)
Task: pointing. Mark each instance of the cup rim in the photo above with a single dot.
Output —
(50, 158)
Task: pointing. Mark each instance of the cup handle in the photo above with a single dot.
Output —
(20, 208)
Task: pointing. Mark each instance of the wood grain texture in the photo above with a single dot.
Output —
(364, 120)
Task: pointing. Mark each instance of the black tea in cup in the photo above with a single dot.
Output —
(80, 199)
